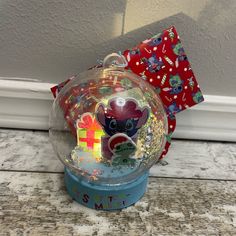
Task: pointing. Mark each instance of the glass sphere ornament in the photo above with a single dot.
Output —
(108, 126)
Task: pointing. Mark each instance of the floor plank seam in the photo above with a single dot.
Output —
(190, 178)
(155, 177)
(32, 171)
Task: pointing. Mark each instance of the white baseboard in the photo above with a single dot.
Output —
(214, 119)
(26, 105)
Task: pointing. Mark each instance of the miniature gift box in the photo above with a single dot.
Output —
(89, 133)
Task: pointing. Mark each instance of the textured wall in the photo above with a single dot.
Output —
(52, 39)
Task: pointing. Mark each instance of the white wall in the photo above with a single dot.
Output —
(52, 39)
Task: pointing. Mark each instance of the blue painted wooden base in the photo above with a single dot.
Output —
(102, 197)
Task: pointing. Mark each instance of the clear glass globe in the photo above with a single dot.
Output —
(108, 126)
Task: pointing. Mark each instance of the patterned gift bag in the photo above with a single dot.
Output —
(161, 61)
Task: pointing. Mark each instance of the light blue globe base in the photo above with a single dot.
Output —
(102, 197)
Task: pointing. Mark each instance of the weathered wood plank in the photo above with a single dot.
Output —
(27, 150)
(37, 204)
(199, 159)
(32, 151)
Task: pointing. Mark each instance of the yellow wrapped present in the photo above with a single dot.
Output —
(89, 133)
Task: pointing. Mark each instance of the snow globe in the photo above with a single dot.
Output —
(108, 126)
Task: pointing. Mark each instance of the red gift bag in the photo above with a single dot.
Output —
(161, 61)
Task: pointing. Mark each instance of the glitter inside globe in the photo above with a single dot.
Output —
(108, 126)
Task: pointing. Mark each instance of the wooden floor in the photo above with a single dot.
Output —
(193, 194)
